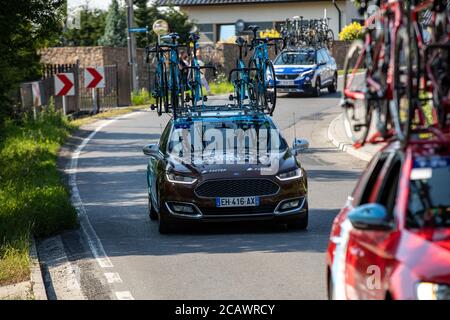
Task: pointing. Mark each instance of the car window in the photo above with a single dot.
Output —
(321, 57)
(371, 179)
(295, 58)
(388, 190)
(429, 195)
(165, 137)
(327, 55)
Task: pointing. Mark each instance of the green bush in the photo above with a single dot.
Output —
(141, 97)
(221, 85)
(352, 31)
(33, 197)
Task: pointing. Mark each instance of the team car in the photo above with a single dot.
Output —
(305, 70)
(225, 166)
(392, 238)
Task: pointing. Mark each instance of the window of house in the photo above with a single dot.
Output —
(206, 32)
(225, 31)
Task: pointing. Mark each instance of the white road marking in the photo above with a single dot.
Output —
(124, 295)
(91, 236)
(113, 277)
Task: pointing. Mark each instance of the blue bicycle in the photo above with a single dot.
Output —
(160, 89)
(244, 88)
(175, 81)
(194, 74)
(261, 68)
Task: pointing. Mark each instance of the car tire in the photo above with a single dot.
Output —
(151, 210)
(163, 225)
(332, 88)
(299, 223)
(317, 88)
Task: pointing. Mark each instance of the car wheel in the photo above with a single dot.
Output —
(333, 86)
(151, 210)
(317, 88)
(163, 226)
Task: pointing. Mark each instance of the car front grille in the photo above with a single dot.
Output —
(237, 211)
(286, 76)
(237, 188)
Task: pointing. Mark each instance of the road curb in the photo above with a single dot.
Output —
(346, 146)
(37, 282)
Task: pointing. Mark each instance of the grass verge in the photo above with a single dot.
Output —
(221, 87)
(33, 197)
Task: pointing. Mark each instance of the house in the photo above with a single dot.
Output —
(216, 18)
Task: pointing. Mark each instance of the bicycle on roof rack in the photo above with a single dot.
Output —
(299, 32)
(261, 69)
(194, 75)
(160, 90)
(244, 87)
(169, 88)
(395, 75)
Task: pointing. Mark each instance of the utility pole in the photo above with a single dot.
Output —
(132, 47)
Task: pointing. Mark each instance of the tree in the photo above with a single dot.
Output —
(178, 22)
(146, 14)
(116, 27)
(26, 26)
(92, 28)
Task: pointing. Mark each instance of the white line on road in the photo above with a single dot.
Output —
(124, 295)
(91, 236)
(113, 277)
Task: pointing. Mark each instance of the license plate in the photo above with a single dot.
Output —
(286, 83)
(237, 202)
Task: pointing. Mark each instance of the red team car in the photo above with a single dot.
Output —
(392, 238)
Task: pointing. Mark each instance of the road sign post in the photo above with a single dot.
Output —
(64, 86)
(94, 78)
(160, 27)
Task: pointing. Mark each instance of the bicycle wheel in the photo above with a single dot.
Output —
(402, 107)
(174, 90)
(270, 85)
(254, 84)
(158, 91)
(357, 108)
(165, 90)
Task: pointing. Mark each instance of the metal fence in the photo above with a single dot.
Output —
(107, 97)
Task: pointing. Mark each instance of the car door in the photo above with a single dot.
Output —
(371, 252)
(324, 76)
(157, 164)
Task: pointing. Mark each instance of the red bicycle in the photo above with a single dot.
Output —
(384, 77)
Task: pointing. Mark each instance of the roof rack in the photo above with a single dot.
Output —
(216, 111)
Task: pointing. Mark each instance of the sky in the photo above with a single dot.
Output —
(101, 4)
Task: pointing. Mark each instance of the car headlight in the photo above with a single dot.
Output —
(290, 175)
(176, 178)
(306, 73)
(433, 291)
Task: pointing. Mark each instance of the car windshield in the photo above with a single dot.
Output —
(223, 136)
(429, 200)
(296, 58)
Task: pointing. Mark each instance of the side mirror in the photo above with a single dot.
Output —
(371, 216)
(151, 150)
(300, 145)
(322, 63)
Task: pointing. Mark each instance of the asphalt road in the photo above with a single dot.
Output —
(225, 261)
